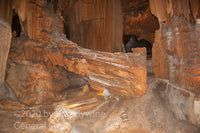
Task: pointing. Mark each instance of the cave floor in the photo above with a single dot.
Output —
(89, 112)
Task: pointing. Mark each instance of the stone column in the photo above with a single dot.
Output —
(5, 39)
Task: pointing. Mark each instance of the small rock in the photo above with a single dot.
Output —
(85, 89)
(106, 94)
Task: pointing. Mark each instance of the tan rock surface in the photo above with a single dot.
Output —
(5, 39)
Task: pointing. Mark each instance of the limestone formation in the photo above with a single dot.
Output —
(43, 43)
(176, 51)
(63, 87)
(138, 20)
(5, 39)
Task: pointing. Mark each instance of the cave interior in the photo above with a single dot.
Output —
(98, 66)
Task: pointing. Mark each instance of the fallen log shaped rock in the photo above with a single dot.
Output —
(120, 73)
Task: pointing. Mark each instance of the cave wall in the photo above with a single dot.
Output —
(176, 53)
(138, 20)
(176, 49)
(95, 24)
(6, 10)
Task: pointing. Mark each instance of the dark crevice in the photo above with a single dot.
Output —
(66, 29)
(16, 27)
(132, 41)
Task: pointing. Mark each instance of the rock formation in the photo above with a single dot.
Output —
(138, 20)
(176, 51)
(5, 39)
(42, 43)
(177, 44)
(94, 22)
(134, 43)
(46, 72)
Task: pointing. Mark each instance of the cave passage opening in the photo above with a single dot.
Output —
(139, 25)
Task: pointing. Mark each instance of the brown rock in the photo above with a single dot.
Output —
(9, 105)
(137, 14)
(5, 39)
(122, 74)
(35, 82)
(176, 54)
(176, 47)
(32, 83)
(86, 89)
(95, 24)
